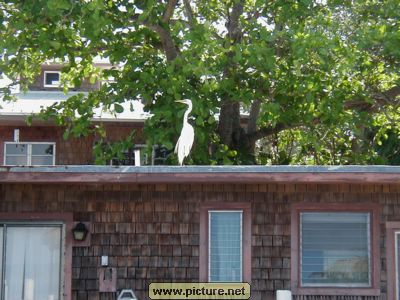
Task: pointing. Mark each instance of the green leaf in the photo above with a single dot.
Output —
(56, 45)
(118, 108)
(211, 120)
(199, 121)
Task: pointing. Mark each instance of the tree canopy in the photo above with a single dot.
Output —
(272, 82)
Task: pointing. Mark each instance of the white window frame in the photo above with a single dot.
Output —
(241, 240)
(62, 225)
(340, 285)
(29, 151)
(51, 85)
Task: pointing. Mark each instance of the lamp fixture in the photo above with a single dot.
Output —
(80, 232)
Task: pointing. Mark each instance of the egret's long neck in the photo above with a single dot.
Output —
(187, 112)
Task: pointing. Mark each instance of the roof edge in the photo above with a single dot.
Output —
(201, 174)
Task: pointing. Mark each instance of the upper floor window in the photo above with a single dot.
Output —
(160, 155)
(133, 157)
(52, 78)
(29, 154)
(139, 156)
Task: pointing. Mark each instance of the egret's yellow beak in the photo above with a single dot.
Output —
(180, 101)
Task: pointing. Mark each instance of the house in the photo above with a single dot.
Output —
(321, 232)
(43, 142)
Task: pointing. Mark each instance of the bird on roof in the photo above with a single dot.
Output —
(185, 141)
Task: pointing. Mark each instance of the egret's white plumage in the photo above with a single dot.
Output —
(185, 141)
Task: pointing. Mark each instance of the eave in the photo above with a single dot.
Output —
(201, 174)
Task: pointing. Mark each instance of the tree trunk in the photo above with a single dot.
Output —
(233, 135)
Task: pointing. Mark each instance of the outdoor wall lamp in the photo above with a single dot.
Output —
(127, 295)
(80, 232)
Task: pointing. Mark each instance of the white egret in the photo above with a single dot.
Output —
(185, 141)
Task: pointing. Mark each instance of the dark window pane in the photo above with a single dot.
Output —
(128, 157)
(161, 155)
(52, 78)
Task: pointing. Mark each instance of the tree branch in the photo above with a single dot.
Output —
(254, 113)
(164, 33)
(233, 26)
(169, 11)
(189, 13)
(166, 40)
(230, 110)
(390, 97)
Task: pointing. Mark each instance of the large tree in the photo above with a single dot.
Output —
(311, 76)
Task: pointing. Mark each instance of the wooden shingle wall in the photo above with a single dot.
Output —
(74, 151)
(38, 84)
(151, 232)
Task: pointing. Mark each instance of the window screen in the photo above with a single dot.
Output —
(335, 249)
(225, 246)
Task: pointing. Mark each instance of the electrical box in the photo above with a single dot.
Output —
(104, 261)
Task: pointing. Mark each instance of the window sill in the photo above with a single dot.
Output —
(337, 291)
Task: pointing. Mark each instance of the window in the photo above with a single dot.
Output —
(52, 78)
(159, 156)
(29, 154)
(335, 248)
(133, 157)
(225, 237)
(225, 246)
(393, 259)
(31, 261)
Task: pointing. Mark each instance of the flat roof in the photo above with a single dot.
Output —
(201, 174)
(32, 102)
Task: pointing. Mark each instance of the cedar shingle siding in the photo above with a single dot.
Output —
(75, 150)
(38, 84)
(151, 232)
